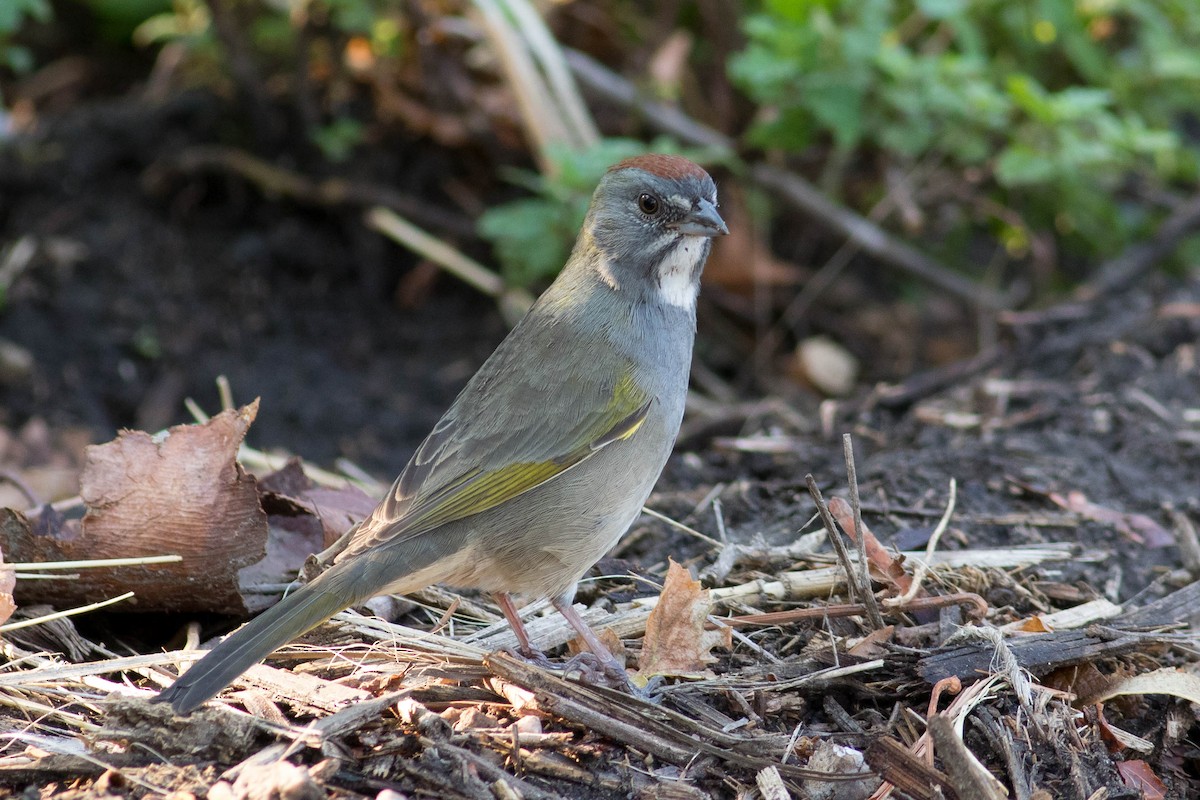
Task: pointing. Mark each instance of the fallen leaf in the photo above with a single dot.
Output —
(1173, 682)
(1138, 775)
(676, 642)
(873, 645)
(608, 638)
(883, 566)
(1034, 624)
(1118, 740)
(1082, 680)
(290, 493)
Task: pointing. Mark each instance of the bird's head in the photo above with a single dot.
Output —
(650, 227)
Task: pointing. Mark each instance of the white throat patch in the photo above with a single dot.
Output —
(675, 284)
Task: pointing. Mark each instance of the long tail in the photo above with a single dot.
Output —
(295, 614)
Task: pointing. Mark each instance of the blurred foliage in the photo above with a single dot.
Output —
(331, 33)
(13, 15)
(186, 21)
(117, 19)
(1068, 123)
(1057, 104)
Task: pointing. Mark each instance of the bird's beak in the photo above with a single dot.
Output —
(703, 221)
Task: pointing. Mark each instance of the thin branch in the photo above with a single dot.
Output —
(513, 302)
(70, 612)
(1124, 270)
(922, 568)
(548, 53)
(650, 512)
(864, 577)
(835, 538)
(275, 181)
(94, 563)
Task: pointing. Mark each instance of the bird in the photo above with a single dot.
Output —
(548, 454)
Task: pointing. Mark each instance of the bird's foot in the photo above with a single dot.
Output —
(592, 670)
(532, 656)
(608, 672)
(597, 671)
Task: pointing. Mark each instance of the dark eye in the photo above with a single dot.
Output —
(649, 204)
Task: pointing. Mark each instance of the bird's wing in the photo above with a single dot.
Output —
(484, 453)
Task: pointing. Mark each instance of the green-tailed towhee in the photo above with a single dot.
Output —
(546, 457)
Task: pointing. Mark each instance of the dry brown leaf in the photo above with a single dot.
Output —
(178, 493)
(1166, 680)
(676, 642)
(883, 566)
(1034, 624)
(1082, 680)
(873, 644)
(1138, 775)
(288, 492)
(608, 638)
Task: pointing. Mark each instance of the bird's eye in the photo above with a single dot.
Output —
(649, 204)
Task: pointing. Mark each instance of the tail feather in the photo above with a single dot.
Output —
(295, 614)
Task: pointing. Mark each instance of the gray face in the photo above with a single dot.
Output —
(655, 232)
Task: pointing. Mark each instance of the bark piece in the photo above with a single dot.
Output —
(180, 493)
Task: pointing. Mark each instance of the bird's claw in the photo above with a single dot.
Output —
(592, 670)
(648, 692)
(598, 671)
(532, 656)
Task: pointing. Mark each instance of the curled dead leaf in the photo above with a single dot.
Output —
(676, 641)
(883, 566)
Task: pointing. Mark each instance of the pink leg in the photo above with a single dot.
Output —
(611, 672)
(514, 619)
(589, 636)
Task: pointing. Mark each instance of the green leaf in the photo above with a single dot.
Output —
(1030, 97)
(338, 139)
(1021, 165)
(839, 105)
(791, 128)
(527, 237)
(942, 9)
(14, 12)
(16, 58)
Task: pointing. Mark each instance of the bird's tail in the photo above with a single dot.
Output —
(301, 611)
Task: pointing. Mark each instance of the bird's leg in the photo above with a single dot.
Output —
(526, 649)
(597, 666)
(611, 671)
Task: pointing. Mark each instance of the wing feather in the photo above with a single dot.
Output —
(519, 453)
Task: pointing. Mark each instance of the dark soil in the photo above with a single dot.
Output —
(145, 288)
